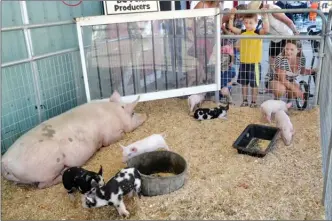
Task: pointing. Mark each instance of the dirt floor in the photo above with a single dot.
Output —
(221, 184)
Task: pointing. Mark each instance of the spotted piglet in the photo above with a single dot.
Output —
(211, 113)
(81, 180)
(126, 181)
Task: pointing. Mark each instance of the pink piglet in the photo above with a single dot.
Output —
(270, 107)
(195, 101)
(147, 144)
(286, 127)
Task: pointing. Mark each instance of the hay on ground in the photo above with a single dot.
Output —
(221, 184)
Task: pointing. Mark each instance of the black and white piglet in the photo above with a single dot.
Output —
(211, 113)
(126, 181)
(81, 180)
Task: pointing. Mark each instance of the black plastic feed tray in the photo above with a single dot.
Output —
(151, 164)
(256, 140)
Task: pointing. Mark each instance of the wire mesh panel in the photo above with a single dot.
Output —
(149, 56)
(282, 67)
(61, 84)
(18, 113)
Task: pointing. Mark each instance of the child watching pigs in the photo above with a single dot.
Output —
(227, 71)
(250, 54)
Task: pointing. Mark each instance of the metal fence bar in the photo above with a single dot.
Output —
(165, 57)
(31, 26)
(153, 57)
(295, 37)
(98, 70)
(120, 54)
(110, 66)
(320, 57)
(165, 94)
(195, 46)
(171, 27)
(38, 57)
(133, 71)
(29, 47)
(205, 54)
(1, 77)
(148, 16)
(218, 56)
(185, 47)
(83, 62)
(143, 62)
(325, 120)
(164, 15)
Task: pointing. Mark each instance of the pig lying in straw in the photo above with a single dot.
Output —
(148, 144)
(67, 140)
(195, 101)
(286, 127)
(270, 107)
(126, 181)
(211, 113)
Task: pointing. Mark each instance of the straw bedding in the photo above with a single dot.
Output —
(221, 184)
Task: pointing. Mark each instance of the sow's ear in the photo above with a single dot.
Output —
(131, 106)
(115, 97)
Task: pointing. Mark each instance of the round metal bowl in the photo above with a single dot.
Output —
(158, 162)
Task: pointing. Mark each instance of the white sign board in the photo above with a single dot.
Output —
(125, 7)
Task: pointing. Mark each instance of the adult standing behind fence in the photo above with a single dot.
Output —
(279, 24)
(174, 30)
(284, 5)
(203, 47)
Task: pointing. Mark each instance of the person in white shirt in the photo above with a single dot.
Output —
(193, 4)
(202, 48)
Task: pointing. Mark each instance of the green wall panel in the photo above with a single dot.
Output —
(60, 78)
(13, 46)
(58, 38)
(54, 11)
(11, 14)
